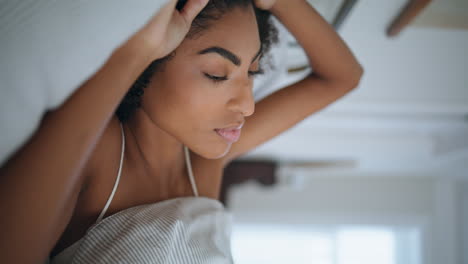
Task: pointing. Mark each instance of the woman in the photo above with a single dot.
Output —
(85, 163)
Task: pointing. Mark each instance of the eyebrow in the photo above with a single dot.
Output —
(227, 54)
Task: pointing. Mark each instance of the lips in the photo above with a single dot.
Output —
(229, 134)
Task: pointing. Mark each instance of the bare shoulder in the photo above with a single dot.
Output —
(89, 204)
(99, 160)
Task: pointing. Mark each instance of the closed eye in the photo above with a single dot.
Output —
(216, 78)
(253, 73)
(224, 78)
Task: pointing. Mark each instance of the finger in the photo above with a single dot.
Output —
(191, 9)
(161, 19)
(166, 11)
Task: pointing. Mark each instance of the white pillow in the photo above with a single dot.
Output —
(48, 48)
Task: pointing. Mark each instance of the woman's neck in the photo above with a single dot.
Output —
(161, 153)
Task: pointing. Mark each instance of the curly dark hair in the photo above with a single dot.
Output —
(212, 12)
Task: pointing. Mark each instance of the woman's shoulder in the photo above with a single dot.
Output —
(105, 153)
(88, 205)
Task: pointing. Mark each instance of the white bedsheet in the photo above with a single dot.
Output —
(48, 48)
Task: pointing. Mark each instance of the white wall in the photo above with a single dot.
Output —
(405, 130)
(445, 223)
(422, 65)
(428, 202)
(463, 222)
(408, 113)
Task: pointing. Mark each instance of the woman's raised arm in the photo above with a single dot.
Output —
(335, 72)
(40, 183)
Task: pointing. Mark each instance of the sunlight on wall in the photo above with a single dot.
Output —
(324, 245)
(362, 246)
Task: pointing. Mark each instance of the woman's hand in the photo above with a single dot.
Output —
(265, 4)
(167, 28)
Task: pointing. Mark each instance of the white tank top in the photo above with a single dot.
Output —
(182, 230)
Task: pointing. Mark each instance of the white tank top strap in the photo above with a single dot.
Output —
(116, 184)
(190, 172)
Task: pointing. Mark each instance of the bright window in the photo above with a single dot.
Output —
(325, 245)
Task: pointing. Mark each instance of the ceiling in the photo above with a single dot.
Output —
(445, 14)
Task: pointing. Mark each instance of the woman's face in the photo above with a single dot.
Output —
(186, 103)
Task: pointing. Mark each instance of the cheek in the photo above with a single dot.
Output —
(190, 92)
(197, 93)
(190, 97)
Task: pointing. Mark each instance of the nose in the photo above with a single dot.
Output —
(243, 100)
